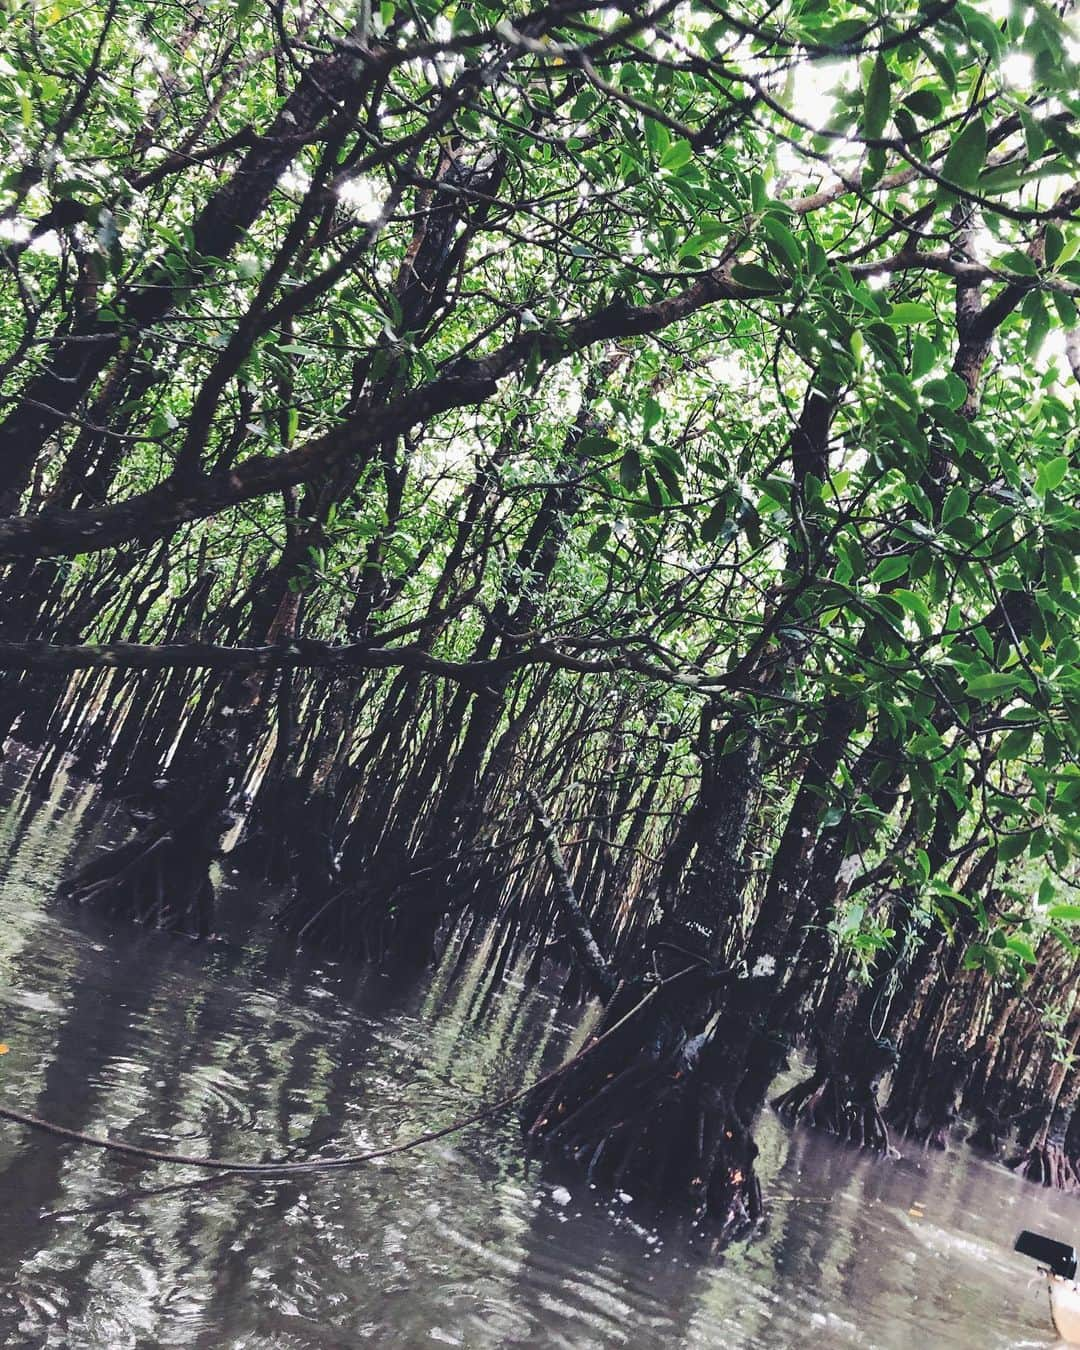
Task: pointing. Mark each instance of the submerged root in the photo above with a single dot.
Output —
(655, 1125)
(1047, 1164)
(928, 1125)
(925, 1101)
(987, 1135)
(677, 1143)
(844, 1101)
(289, 838)
(839, 1105)
(362, 919)
(391, 907)
(160, 877)
(816, 1101)
(330, 915)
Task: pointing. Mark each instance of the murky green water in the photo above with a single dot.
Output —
(251, 1052)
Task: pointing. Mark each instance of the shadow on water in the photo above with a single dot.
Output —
(245, 1048)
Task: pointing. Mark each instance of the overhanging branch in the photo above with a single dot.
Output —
(346, 659)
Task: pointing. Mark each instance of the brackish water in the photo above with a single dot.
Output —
(248, 1050)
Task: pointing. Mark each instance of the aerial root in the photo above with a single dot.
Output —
(659, 1132)
(833, 1103)
(1047, 1164)
(160, 878)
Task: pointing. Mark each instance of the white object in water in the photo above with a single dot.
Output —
(1065, 1308)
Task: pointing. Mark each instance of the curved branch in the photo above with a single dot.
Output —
(156, 513)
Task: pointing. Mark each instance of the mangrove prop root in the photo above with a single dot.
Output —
(161, 875)
(656, 1126)
(834, 1103)
(1047, 1164)
(925, 1106)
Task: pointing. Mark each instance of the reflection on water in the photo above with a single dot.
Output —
(248, 1051)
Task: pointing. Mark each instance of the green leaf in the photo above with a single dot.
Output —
(783, 241)
(678, 154)
(594, 444)
(1064, 913)
(965, 159)
(656, 136)
(1015, 261)
(1015, 744)
(464, 22)
(916, 607)
(1013, 845)
(956, 504)
(993, 685)
(630, 470)
(1051, 475)
(876, 104)
(651, 414)
(1038, 325)
(923, 356)
(713, 523)
(982, 30)
(1034, 135)
(908, 312)
(1022, 949)
(756, 278)
(889, 569)
(924, 103)
(951, 391)
(598, 538)
(840, 33)
(702, 240)
(161, 424)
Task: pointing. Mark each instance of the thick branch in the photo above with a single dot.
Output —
(158, 512)
(298, 654)
(347, 659)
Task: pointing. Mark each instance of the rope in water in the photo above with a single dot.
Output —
(284, 1167)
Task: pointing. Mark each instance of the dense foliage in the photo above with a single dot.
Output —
(600, 479)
